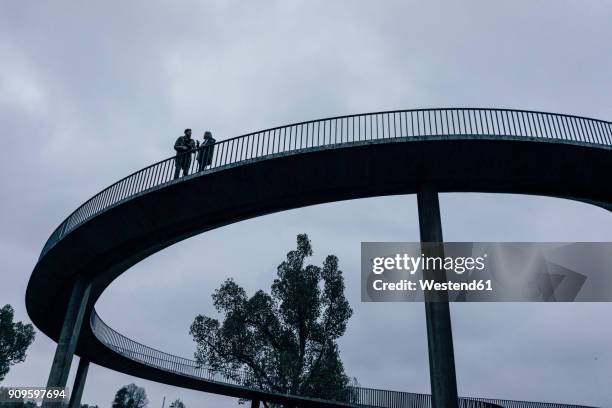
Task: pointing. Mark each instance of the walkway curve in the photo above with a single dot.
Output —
(348, 157)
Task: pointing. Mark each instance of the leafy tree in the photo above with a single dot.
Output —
(130, 396)
(177, 403)
(15, 338)
(284, 341)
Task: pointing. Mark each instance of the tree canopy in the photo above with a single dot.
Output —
(130, 396)
(15, 338)
(284, 341)
(177, 403)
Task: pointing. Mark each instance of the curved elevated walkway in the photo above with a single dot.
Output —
(387, 153)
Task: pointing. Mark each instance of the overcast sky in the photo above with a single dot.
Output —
(91, 91)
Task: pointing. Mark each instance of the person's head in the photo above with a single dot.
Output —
(188, 132)
(207, 135)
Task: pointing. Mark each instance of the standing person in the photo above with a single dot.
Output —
(205, 151)
(184, 146)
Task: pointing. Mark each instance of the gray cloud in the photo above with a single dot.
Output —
(90, 92)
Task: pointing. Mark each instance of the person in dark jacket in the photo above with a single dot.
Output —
(184, 147)
(205, 151)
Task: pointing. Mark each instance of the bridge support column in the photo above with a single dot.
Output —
(79, 384)
(437, 311)
(254, 404)
(69, 336)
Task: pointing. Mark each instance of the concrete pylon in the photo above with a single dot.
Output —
(69, 337)
(437, 311)
(79, 384)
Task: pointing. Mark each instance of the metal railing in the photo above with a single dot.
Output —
(343, 131)
(357, 396)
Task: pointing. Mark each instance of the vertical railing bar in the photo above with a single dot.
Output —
(401, 124)
(335, 131)
(550, 127)
(584, 131)
(529, 122)
(575, 131)
(255, 152)
(242, 155)
(473, 121)
(566, 132)
(231, 151)
(557, 127)
(262, 146)
(157, 174)
(419, 122)
(539, 118)
(499, 129)
(607, 132)
(514, 124)
(472, 116)
(594, 131)
(217, 154)
(377, 126)
(301, 134)
(489, 118)
(595, 128)
(148, 177)
(435, 123)
(225, 153)
(480, 126)
(251, 138)
(232, 148)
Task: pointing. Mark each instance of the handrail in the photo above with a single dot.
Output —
(357, 396)
(345, 131)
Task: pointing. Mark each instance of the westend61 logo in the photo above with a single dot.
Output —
(487, 271)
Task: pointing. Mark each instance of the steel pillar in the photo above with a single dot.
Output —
(79, 384)
(69, 337)
(437, 312)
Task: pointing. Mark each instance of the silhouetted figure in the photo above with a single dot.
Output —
(205, 151)
(184, 147)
